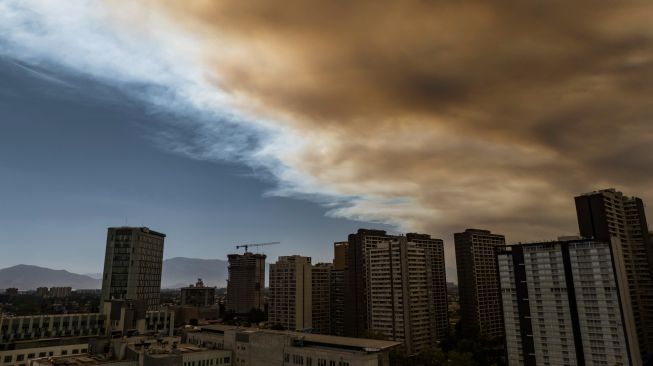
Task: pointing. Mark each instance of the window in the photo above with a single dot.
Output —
(7, 359)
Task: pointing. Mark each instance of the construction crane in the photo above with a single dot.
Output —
(256, 245)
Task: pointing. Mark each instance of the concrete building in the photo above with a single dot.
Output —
(396, 285)
(42, 291)
(478, 284)
(337, 289)
(337, 303)
(340, 249)
(141, 351)
(321, 297)
(290, 302)
(246, 282)
(566, 303)
(198, 295)
(608, 214)
(25, 338)
(132, 265)
(60, 292)
(130, 317)
(257, 347)
(34, 327)
(22, 353)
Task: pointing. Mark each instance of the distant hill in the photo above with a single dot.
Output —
(177, 272)
(26, 277)
(181, 272)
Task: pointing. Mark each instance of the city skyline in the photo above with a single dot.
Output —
(301, 124)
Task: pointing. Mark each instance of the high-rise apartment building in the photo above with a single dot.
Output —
(321, 297)
(608, 214)
(478, 283)
(246, 282)
(132, 265)
(290, 302)
(565, 303)
(337, 290)
(396, 286)
(340, 255)
(337, 305)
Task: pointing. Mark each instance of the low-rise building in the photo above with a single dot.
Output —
(33, 327)
(60, 292)
(24, 338)
(21, 353)
(198, 295)
(263, 347)
(139, 351)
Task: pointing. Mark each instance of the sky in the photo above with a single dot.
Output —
(223, 122)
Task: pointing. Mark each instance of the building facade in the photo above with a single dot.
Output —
(321, 297)
(565, 303)
(291, 304)
(35, 327)
(340, 249)
(258, 347)
(608, 214)
(198, 295)
(246, 282)
(396, 286)
(337, 303)
(478, 283)
(132, 265)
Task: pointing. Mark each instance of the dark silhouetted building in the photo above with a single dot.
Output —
(608, 215)
(246, 282)
(132, 265)
(478, 284)
(321, 297)
(337, 305)
(340, 255)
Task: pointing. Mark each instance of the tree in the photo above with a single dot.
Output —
(256, 316)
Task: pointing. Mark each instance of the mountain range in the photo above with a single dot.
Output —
(177, 272)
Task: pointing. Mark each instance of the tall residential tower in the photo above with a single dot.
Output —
(565, 303)
(396, 286)
(291, 293)
(608, 215)
(478, 284)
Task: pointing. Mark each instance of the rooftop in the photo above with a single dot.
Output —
(73, 360)
(368, 345)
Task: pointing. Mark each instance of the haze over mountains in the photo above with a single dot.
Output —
(177, 272)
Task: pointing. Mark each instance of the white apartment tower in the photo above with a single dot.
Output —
(608, 215)
(566, 303)
(290, 302)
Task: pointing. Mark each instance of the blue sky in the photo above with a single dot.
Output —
(78, 156)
